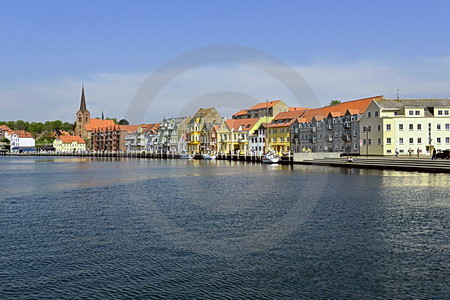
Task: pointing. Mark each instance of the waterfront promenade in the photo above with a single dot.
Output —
(409, 163)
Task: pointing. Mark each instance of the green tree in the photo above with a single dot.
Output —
(66, 126)
(5, 140)
(22, 125)
(334, 102)
(124, 122)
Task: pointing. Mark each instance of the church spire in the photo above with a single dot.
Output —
(83, 99)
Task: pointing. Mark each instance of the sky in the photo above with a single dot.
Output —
(341, 49)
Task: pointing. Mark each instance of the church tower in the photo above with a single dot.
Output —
(83, 117)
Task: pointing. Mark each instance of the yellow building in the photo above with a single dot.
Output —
(234, 134)
(195, 127)
(279, 131)
(405, 126)
(69, 144)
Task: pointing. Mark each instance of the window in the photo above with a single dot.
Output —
(419, 126)
(438, 126)
(438, 140)
(419, 140)
(447, 140)
(274, 130)
(355, 132)
(417, 112)
(400, 126)
(411, 126)
(388, 151)
(388, 127)
(370, 142)
(282, 139)
(447, 126)
(400, 141)
(446, 112)
(388, 141)
(376, 113)
(378, 127)
(411, 113)
(379, 141)
(364, 141)
(439, 112)
(369, 114)
(411, 140)
(274, 140)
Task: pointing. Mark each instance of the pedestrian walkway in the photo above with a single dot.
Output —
(420, 164)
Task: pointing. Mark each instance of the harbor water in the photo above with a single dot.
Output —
(121, 228)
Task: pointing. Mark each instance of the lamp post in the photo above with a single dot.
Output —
(366, 129)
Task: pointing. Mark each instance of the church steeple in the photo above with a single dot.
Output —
(83, 99)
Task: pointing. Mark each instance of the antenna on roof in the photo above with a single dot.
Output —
(398, 94)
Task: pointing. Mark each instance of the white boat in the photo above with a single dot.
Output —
(208, 156)
(270, 158)
(186, 156)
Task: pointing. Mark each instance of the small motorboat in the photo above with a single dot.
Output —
(208, 156)
(270, 158)
(186, 156)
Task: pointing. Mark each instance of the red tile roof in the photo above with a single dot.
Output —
(20, 133)
(284, 119)
(241, 112)
(265, 104)
(246, 124)
(354, 107)
(68, 139)
(4, 127)
(96, 123)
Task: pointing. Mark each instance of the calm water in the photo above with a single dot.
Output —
(105, 229)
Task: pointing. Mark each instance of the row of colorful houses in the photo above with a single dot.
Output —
(372, 126)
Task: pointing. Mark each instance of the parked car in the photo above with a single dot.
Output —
(444, 154)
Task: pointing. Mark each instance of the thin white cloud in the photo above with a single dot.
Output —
(423, 77)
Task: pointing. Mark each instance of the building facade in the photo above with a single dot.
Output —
(69, 144)
(195, 127)
(111, 138)
(407, 126)
(331, 128)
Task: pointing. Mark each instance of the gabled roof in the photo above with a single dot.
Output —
(355, 106)
(241, 113)
(241, 124)
(284, 119)
(4, 127)
(96, 123)
(265, 104)
(68, 139)
(22, 134)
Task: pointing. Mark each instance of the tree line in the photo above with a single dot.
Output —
(37, 128)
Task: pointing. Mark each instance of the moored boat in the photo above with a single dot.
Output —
(270, 158)
(208, 156)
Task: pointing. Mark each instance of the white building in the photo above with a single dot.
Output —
(257, 141)
(20, 140)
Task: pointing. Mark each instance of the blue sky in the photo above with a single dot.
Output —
(48, 47)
